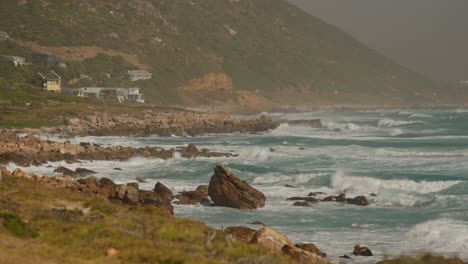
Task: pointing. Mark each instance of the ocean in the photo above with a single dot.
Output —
(415, 162)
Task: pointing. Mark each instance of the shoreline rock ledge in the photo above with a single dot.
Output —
(227, 190)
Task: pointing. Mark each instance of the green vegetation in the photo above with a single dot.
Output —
(266, 45)
(71, 227)
(13, 223)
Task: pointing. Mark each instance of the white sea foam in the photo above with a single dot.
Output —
(396, 132)
(387, 122)
(296, 179)
(353, 184)
(441, 236)
(419, 115)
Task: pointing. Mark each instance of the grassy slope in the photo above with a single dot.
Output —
(44, 225)
(277, 45)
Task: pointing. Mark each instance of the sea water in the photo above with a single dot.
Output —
(411, 164)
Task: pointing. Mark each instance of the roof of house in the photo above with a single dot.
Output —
(138, 72)
(49, 76)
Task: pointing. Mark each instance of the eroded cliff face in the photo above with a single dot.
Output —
(216, 92)
(209, 82)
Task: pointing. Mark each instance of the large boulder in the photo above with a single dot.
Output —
(311, 248)
(227, 190)
(271, 239)
(199, 196)
(164, 192)
(241, 233)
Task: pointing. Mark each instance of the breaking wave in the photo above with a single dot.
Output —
(387, 122)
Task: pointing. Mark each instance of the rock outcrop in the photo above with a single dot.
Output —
(227, 190)
(271, 239)
(152, 122)
(29, 150)
(124, 193)
(241, 233)
(341, 198)
(199, 196)
(316, 123)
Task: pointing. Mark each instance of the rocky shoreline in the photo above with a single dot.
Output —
(30, 150)
(150, 122)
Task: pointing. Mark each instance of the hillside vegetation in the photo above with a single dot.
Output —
(268, 46)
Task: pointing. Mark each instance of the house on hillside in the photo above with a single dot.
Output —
(17, 60)
(48, 60)
(109, 93)
(4, 36)
(51, 82)
(136, 75)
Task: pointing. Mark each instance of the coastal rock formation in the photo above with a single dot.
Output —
(362, 251)
(271, 239)
(227, 190)
(199, 196)
(127, 194)
(311, 248)
(315, 123)
(152, 122)
(241, 233)
(309, 200)
(164, 192)
(29, 150)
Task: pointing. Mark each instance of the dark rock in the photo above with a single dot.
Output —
(296, 199)
(288, 186)
(312, 200)
(359, 200)
(316, 193)
(345, 257)
(118, 169)
(272, 150)
(311, 248)
(227, 190)
(106, 182)
(316, 123)
(331, 198)
(152, 198)
(301, 148)
(199, 196)
(164, 192)
(304, 204)
(128, 194)
(241, 232)
(362, 251)
(84, 172)
(140, 180)
(66, 171)
(336, 130)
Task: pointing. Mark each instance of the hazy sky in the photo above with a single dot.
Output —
(430, 36)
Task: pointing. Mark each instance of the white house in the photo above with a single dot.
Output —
(18, 61)
(136, 75)
(109, 93)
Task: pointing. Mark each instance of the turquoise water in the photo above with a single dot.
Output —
(415, 161)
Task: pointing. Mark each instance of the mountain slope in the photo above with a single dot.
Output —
(265, 45)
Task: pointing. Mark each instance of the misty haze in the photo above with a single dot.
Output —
(234, 131)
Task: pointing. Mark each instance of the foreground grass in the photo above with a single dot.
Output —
(45, 225)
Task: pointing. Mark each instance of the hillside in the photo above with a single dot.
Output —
(268, 47)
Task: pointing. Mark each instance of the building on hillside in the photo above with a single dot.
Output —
(48, 60)
(4, 36)
(136, 75)
(463, 82)
(17, 60)
(51, 82)
(109, 93)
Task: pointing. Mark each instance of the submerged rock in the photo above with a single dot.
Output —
(227, 190)
(315, 123)
(362, 251)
